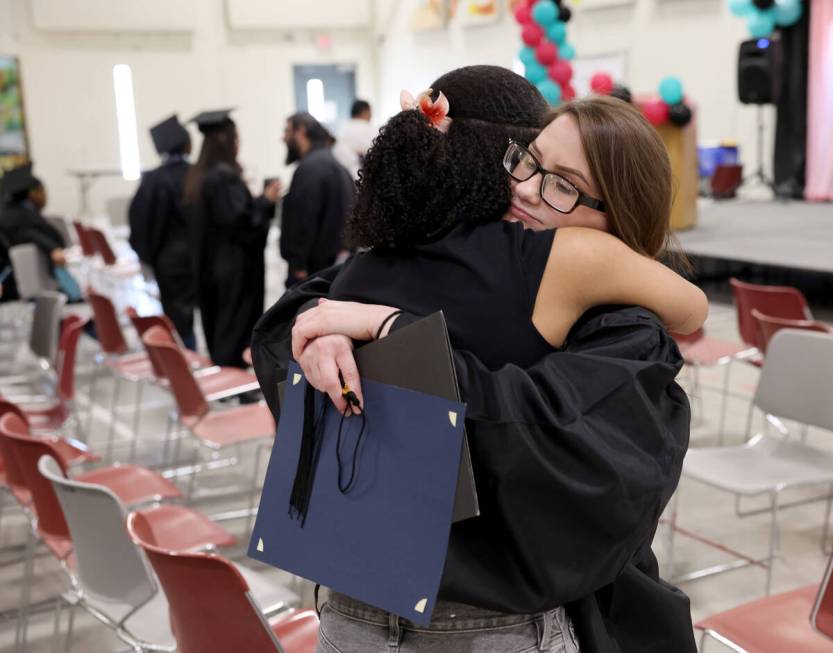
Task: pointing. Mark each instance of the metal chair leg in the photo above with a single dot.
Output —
(703, 637)
(91, 393)
(25, 593)
(114, 406)
(137, 411)
(166, 447)
(774, 543)
(70, 628)
(56, 630)
(826, 528)
(698, 394)
(724, 403)
(749, 416)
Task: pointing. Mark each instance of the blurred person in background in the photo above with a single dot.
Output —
(355, 138)
(228, 230)
(318, 201)
(21, 221)
(158, 230)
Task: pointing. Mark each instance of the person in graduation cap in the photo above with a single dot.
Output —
(21, 221)
(229, 228)
(576, 450)
(158, 230)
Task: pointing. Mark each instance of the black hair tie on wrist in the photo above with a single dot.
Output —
(382, 326)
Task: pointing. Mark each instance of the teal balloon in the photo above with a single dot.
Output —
(671, 90)
(544, 13)
(550, 90)
(527, 56)
(788, 12)
(761, 23)
(557, 32)
(567, 51)
(741, 7)
(535, 73)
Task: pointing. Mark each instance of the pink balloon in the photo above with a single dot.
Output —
(568, 92)
(601, 83)
(656, 111)
(532, 34)
(562, 72)
(546, 52)
(523, 14)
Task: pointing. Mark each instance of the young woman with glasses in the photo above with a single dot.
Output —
(576, 426)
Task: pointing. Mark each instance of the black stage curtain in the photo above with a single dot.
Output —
(791, 123)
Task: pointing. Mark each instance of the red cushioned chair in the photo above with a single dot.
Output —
(212, 609)
(776, 301)
(56, 415)
(768, 326)
(88, 248)
(132, 484)
(215, 429)
(800, 620)
(215, 382)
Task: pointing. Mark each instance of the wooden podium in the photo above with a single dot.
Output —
(681, 143)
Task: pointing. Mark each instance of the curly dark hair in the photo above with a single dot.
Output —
(417, 182)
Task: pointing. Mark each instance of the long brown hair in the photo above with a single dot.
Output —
(217, 147)
(630, 164)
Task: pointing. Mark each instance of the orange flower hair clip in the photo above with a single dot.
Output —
(435, 110)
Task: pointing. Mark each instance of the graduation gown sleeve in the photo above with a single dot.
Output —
(147, 214)
(23, 225)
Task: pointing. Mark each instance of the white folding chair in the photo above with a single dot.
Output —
(794, 385)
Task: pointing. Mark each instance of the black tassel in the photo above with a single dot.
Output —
(302, 486)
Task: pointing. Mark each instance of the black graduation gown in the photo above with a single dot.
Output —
(9, 284)
(159, 235)
(314, 211)
(230, 227)
(575, 459)
(22, 223)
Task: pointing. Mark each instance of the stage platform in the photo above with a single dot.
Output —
(763, 241)
(796, 235)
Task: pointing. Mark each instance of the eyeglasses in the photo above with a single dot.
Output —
(557, 192)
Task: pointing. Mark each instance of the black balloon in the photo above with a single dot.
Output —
(763, 5)
(564, 14)
(622, 92)
(679, 114)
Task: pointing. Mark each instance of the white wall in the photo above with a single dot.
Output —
(697, 40)
(67, 75)
(68, 89)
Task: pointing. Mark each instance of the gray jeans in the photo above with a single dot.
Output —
(350, 626)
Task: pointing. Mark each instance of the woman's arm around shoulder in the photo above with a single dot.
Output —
(588, 267)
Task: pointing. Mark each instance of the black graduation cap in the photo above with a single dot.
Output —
(209, 121)
(169, 135)
(18, 180)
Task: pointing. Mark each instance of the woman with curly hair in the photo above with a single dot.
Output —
(574, 460)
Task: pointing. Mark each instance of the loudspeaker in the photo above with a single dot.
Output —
(759, 71)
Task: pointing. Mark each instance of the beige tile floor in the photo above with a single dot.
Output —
(701, 509)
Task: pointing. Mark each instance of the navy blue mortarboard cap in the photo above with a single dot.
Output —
(385, 540)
